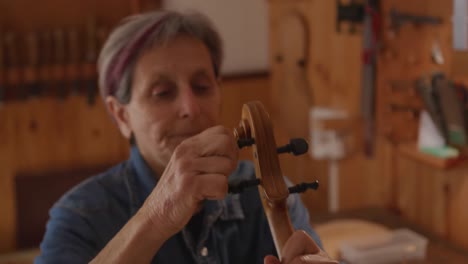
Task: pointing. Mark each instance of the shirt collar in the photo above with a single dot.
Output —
(145, 177)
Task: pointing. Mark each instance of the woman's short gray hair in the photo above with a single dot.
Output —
(140, 32)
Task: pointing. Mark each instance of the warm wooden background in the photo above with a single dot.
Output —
(44, 134)
(48, 134)
(422, 193)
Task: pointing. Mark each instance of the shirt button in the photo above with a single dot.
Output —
(204, 252)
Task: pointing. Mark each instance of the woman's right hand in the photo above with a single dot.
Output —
(198, 170)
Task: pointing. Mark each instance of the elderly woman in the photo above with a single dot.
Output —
(159, 78)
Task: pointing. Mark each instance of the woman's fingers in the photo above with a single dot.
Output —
(215, 141)
(313, 259)
(215, 165)
(271, 260)
(299, 244)
(301, 249)
(198, 170)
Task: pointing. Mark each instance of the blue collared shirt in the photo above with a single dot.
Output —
(233, 230)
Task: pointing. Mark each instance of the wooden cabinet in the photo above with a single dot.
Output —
(433, 198)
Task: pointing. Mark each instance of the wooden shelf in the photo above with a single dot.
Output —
(411, 150)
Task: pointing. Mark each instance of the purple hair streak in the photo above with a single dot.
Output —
(125, 56)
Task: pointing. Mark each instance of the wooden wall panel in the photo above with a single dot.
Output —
(334, 69)
(333, 60)
(293, 88)
(47, 134)
(368, 182)
(389, 179)
(405, 56)
(41, 134)
(460, 65)
(238, 90)
(7, 205)
(457, 213)
(435, 199)
(426, 195)
(24, 15)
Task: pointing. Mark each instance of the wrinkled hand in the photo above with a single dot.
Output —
(198, 170)
(301, 248)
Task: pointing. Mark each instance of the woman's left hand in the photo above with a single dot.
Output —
(301, 248)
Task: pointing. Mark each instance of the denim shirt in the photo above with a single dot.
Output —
(233, 230)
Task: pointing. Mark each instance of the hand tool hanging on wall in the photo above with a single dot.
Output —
(411, 110)
(431, 100)
(452, 109)
(436, 53)
(352, 13)
(31, 71)
(2, 72)
(399, 19)
(462, 92)
(370, 46)
(89, 68)
(46, 62)
(102, 34)
(13, 66)
(72, 71)
(368, 14)
(61, 89)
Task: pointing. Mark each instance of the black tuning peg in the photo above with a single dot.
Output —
(239, 187)
(302, 187)
(247, 142)
(296, 146)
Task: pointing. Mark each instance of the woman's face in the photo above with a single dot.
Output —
(175, 95)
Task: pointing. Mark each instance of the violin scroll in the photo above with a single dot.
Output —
(256, 130)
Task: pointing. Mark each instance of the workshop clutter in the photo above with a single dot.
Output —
(55, 62)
